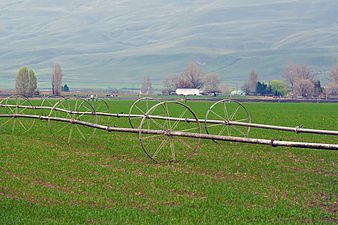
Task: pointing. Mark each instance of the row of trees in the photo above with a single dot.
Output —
(299, 81)
(26, 82)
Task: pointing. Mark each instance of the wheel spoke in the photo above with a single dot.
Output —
(172, 148)
(184, 143)
(149, 137)
(78, 129)
(70, 134)
(22, 124)
(217, 115)
(234, 113)
(11, 118)
(222, 130)
(159, 148)
(168, 115)
(158, 124)
(140, 109)
(193, 128)
(180, 117)
(63, 128)
(13, 127)
(238, 130)
(245, 119)
(226, 115)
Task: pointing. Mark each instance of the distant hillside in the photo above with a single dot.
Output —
(106, 43)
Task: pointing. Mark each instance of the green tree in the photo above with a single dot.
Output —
(65, 88)
(26, 82)
(278, 88)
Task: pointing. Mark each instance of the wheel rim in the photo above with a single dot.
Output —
(12, 105)
(227, 110)
(140, 107)
(78, 109)
(101, 106)
(165, 147)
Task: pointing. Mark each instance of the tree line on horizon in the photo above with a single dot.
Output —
(26, 82)
(298, 81)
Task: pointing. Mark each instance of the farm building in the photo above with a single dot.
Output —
(188, 91)
(237, 92)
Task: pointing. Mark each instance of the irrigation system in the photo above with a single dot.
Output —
(167, 130)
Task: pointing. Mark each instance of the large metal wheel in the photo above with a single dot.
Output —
(15, 105)
(226, 111)
(138, 109)
(72, 109)
(167, 117)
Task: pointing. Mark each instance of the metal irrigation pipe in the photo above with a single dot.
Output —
(296, 129)
(273, 143)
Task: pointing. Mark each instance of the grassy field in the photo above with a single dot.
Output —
(45, 180)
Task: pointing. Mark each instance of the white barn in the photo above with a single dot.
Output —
(188, 91)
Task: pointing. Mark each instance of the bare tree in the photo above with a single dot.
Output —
(333, 84)
(224, 90)
(250, 87)
(57, 80)
(169, 84)
(246, 88)
(299, 77)
(334, 73)
(253, 82)
(192, 77)
(211, 83)
(303, 87)
(146, 87)
(290, 74)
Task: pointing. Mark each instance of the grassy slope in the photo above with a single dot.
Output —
(44, 180)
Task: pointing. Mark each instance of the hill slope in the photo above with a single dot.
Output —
(106, 43)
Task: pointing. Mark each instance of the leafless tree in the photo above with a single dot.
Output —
(250, 87)
(334, 73)
(299, 77)
(192, 77)
(246, 88)
(169, 84)
(211, 83)
(224, 90)
(303, 87)
(332, 86)
(253, 82)
(146, 87)
(290, 74)
(57, 80)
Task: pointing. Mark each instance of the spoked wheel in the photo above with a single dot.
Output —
(165, 118)
(139, 109)
(226, 111)
(72, 109)
(101, 108)
(16, 105)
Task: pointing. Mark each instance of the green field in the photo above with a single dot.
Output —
(45, 180)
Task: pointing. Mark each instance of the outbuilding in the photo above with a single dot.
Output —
(188, 91)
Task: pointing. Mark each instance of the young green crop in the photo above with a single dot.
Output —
(110, 180)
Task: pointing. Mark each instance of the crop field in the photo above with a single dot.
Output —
(63, 179)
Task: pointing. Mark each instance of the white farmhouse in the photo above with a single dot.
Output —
(188, 91)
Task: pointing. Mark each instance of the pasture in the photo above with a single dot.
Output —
(109, 179)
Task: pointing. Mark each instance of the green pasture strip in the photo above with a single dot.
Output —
(110, 180)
